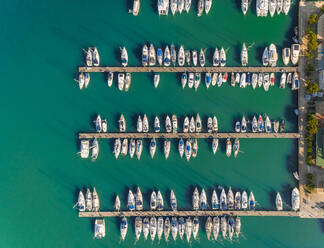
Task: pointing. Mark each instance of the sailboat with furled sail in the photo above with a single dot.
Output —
(136, 7)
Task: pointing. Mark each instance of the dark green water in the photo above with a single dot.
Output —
(43, 110)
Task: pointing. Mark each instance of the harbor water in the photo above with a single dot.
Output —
(43, 111)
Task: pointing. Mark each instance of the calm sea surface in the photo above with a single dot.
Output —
(43, 110)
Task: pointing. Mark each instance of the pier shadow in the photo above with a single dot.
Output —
(154, 6)
(291, 161)
(129, 5)
(321, 225)
(238, 6)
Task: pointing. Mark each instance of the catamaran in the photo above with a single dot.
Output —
(124, 56)
(167, 148)
(138, 227)
(152, 55)
(117, 147)
(131, 201)
(195, 227)
(216, 226)
(215, 145)
(167, 228)
(99, 229)
(145, 55)
(174, 228)
(278, 202)
(286, 55)
(181, 147)
(84, 148)
(121, 81)
(244, 6)
(181, 56)
(163, 7)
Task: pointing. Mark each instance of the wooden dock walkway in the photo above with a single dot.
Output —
(186, 213)
(187, 135)
(183, 69)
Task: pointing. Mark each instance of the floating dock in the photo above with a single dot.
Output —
(185, 69)
(188, 135)
(186, 213)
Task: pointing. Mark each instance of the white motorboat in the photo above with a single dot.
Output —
(188, 229)
(186, 124)
(215, 145)
(128, 80)
(117, 203)
(195, 227)
(198, 124)
(160, 227)
(174, 123)
(124, 147)
(84, 148)
(237, 78)
(188, 150)
(244, 52)
(223, 225)
(194, 148)
(167, 148)
(180, 6)
(132, 148)
(251, 201)
(104, 126)
(243, 125)
(153, 227)
(278, 202)
(157, 126)
(243, 80)
(88, 56)
(174, 228)
(152, 55)
(272, 7)
(202, 58)
(121, 81)
(95, 57)
(295, 82)
(99, 229)
(223, 200)
(203, 200)
(163, 7)
(222, 57)
(289, 78)
(187, 5)
(146, 227)
(194, 57)
(159, 201)
(237, 126)
(181, 147)
(152, 147)
(237, 201)
(254, 80)
(88, 201)
(216, 57)
(191, 80)
(167, 56)
(230, 227)
(168, 125)
(156, 79)
(117, 147)
(124, 56)
(265, 57)
(230, 199)
(181, 56)
(184, 79)
(266, 81)
(122, 123)
(254, 124)
(153, 201)
(110, 78)
(214, 201)
(86, 79)
(283, 80)
(286, 6)
(181, 227)
(200, 7)
(95, 149)
(260, 79)
(98, 123)
(276, 126)
(279, 6)
(139, 125)
(295, 49)
(173, 201)
(237, 226)
(173, 54)
(228, 147)
(244, 6)
(216, 227)
(192, 125)
(136, 7)
(145, 124)
(286, 55)
(262, 7)
(209, 125)
(273, 56)
(197, 80)
(295, 199)
(160, 56)
(208, 4)
(195, 199)
(208, 78)
(81, 202)
(139, 148)
(236, 147)
(167, 228)
(244, 200)
(145, 55)
(173, 6)
(138, 199)
(138, 227)
(131, 201)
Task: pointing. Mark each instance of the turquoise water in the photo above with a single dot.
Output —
(43, 111)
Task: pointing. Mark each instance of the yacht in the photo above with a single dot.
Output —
(99, 229)
(243, 80)
(117, 203)
(188, 228)
(173, 201)
(195, 199)
(272, 79)
(260, 124)
(222, 57)
(216, 226)
(237, 201)
(104, 125)
(228, 147)
(195, 227)
(279, 6)
(286, 55)
(145, 124)
(191, 80)
(188, 150)
(157, 126)
(214, 201)
(244, 6)
(197, 80)
(237, 126)
(203, 200)
(209, 125)
(174, 123)
(202, 57)
(145, 54)
(181, 147)
(95, 57)
(153, 227)
(173, 54)
(167, 56)
(88, 56)
(200, 7)
(194, 148)
(122, 123)
(152, 147)
(289, 78)
(244, 52)
(128, 80)
(295, 82)
(152, 55)
(124, 56)
(223, 225)
(139, 125)
(243, 125)
(160, 56)
(194, 57)
(121, 81)
(153, 201)
(295, 49)
(208, 4)
(254, 80)
(232, 79)
(236, 147)
(139, 148)
(198, 124)
(192, 126)
(167, 148)
(117, 147)
(244, 200)
(184, 79)
(167, 228)
(168, 125)
(276, 126)
(173, 6)
(159, 201)
(237, 78)
(181, 56)
(237, 226)
(262, 7)
(273, 56)
(223, 200)
(187, 5)
(132, 148)
(146, 227)
(230, 227)
(81, 202)
(136, 7)
(138, 227)
(95, 149)
(266, 81)
(174, 228)
(180, 6)
(139, 199)
(85, 148)
(260, 79)
(187, 57)
(278, 202)
(286, 6)
(81, 80)
(230, 199)
(268, 127)
(225, 76)
(251, 201)
(181, 227)
(254, 124)
(283, 80)
(124, 147)
(215, 145)
(282, 126)
(216, 57)
(295, 199)
(272, 7)
(163, 7)
(160, 227)
(208, 78)
(156, 79)
(110, 78)
(186, 124)
(88, 201)
(265, 57)
(131, 201)
(98, 123)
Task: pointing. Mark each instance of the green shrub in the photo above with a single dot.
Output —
(309, 160)
(313, 19)
(310, 182)
(309, 69)
(312, 88)
(322, 9)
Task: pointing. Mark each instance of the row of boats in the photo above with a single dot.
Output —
(263, 7)
(89, 201)
(227, 225)
(178, 6)
(270, 55)
(260, 125)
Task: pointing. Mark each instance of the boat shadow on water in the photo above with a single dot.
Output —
(154, 6)
(321, 225)
(129, 5)
(237, 51)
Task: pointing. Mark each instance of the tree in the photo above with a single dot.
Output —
(313, 19)
(312, 88)
(322, 9)
(309, 69)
